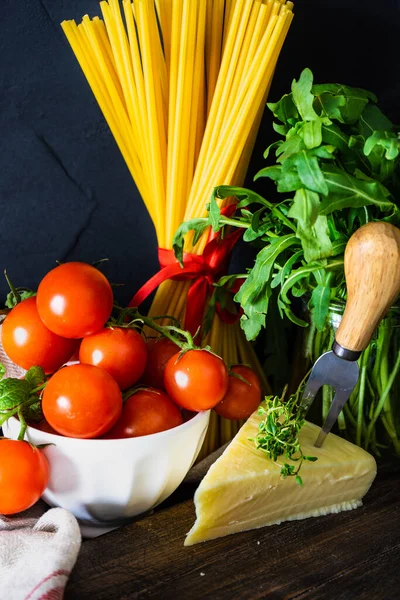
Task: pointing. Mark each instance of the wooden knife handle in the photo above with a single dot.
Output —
(372, 270)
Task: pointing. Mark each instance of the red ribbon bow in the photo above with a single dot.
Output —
(204, 269)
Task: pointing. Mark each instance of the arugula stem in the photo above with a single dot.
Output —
(382, 399)
(361, 394)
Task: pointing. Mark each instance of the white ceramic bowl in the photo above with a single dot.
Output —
(105, 483)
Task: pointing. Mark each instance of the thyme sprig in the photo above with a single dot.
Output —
(278, 432)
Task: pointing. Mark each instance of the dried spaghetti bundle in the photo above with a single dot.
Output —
(182, 85)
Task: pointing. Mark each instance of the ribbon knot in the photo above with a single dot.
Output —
(204, 269)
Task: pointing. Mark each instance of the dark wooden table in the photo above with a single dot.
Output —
(352, 555)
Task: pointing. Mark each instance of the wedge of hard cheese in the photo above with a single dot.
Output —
(243, 489)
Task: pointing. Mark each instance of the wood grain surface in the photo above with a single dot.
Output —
(352, 555)
(372, 269)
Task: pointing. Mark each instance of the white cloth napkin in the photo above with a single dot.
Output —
(37, 555)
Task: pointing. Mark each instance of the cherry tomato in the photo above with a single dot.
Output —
(159, 351)
(122, 352)
(24, 475)
(196, 380)
(147, 411)
(241, 399)
(28, 342)
(82, 401)
(74, 300)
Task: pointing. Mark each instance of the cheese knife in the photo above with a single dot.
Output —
(372, 271)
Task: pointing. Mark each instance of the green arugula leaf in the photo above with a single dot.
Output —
(292, 145)
(312, 133)
(330, 104)
(255, 292)
(214, 213)
(305, 207)
(346, 191)
(308, 170)
(320, 299)
(198, 225)
(373, 119)
(284, 110)
(303, 98)
(389, 141)
(312, 229)
(287, 181)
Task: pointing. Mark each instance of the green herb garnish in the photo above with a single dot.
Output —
(20, 397)
(278, 433)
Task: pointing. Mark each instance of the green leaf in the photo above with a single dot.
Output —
(3, 370)
(284, 110)
(214, 213)
(288, 181)
(346, 191)
(299, 480)
(13, 392)
(287, 267)
(334, 136)
(196, 225)
(281, 129)
(23, 293)
(373, 119)
(389, 141)
(331, 105)
(304, 272)
(271, 146)
(345, 90)
(312, 133)
(291, 146)
(312, 229)
(302, 96)
(35, 376)
(255, 292)
(319, 302)
(305, 207)
(355, 99)
(308, 171)
(244, 195)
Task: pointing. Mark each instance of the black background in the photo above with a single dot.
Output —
(65, 193)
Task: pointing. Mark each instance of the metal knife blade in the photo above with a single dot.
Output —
(341, 375)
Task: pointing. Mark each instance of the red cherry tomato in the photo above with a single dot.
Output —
(159, 351)
(147, 411)
(241, 399)
(24, 475)
(74, 300)
(122, 352)
(28, 342)
(196, 380)
(82, 401)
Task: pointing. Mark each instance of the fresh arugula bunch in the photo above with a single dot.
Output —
(337, 169)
